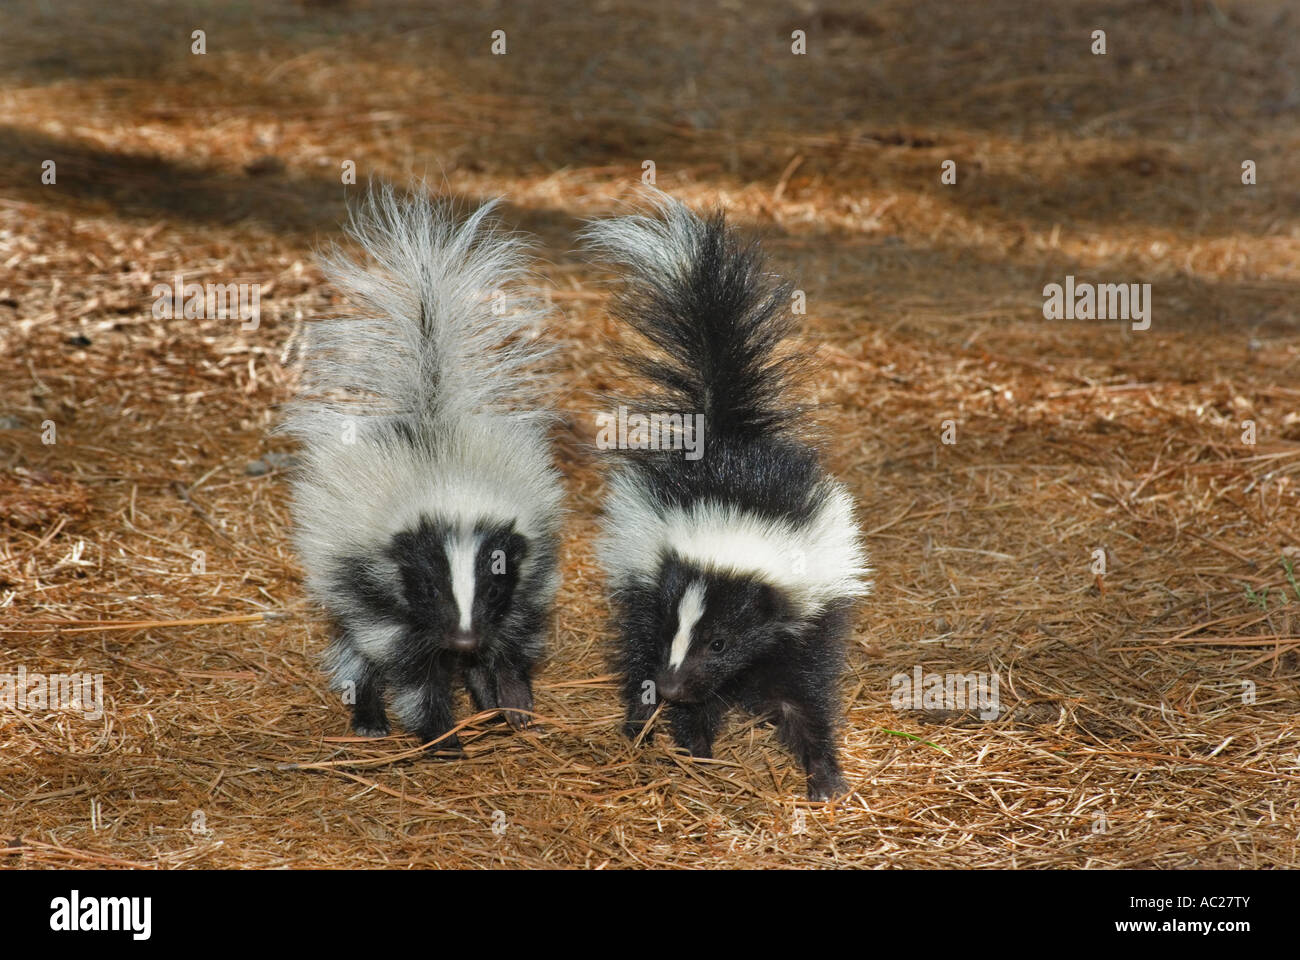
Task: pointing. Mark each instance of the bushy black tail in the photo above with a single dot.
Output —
(701, 295)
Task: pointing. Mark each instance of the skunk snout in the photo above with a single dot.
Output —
(671, 687)
(463, 641)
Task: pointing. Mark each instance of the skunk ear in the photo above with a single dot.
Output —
(771, 602)
(516, 545)
(505, 550)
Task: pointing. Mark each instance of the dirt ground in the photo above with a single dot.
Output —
(1149, 713)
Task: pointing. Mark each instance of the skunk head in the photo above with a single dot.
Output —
(712, 627)
(458, 585)
(437, 587)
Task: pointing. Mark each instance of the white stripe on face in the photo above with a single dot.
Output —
(689, 612)
(461, 552)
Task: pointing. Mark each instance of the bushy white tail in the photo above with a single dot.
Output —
(441, 330)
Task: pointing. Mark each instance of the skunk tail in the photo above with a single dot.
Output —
(441, 330)
(701, 296)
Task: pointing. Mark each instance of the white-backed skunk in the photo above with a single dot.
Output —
(427, 507)
(733, 575)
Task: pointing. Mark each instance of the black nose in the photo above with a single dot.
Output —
(463, 642)
(670, 688)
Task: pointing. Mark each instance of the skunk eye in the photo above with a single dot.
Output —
(718, 645)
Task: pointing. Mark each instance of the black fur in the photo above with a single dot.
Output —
(771, 665)
(507, 632)
(716, 322)
(716, 326)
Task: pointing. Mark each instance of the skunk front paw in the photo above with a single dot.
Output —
(826, 786)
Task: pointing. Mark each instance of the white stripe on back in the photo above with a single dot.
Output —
(816, 561)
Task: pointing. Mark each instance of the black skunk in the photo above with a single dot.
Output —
(734, 574)
(427, 507)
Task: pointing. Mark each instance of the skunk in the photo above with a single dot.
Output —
(733, 574)
(427, 508)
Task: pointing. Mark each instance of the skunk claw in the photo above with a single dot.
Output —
(821, 789)
(518, 719)
(448, 748)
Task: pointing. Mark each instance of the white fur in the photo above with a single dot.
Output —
(653, 246)
(425, 339)
(351, 499)
(408, 704)
(376, 640)
(816, 563)
(346, 666)
(425, 349)
(461, 551)
(689, 612)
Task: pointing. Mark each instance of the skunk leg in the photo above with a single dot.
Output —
(426, 710)
(505, 686)
(482, 687)
(637, 671)
(695, 725)
(515, 689)
(808, 730)
(368, 716)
